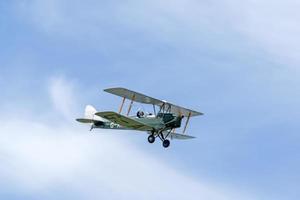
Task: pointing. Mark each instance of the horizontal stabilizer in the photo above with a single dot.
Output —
(87, 121)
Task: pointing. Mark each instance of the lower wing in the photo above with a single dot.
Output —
(177, 136)
(124, 121)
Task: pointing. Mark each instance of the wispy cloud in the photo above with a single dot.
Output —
(96, 22)
(271, 26)
(62, 96)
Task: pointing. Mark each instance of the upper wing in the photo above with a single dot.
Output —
(182, 111)
(124, 121)
(177, 136)
(135, 96)
(141, 98)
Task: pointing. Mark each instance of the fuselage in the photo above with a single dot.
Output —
(160, 122)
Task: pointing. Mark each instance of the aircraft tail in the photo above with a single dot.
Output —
(89, 116)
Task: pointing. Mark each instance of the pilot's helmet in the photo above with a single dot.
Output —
(140, 114)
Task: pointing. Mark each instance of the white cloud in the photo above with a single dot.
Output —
(38, 158)
(62, 96)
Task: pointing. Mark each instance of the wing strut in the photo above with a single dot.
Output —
(187, 122)
(130, 106)
(121, 107)
(154, 110)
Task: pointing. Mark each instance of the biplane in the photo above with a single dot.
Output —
(162, 123)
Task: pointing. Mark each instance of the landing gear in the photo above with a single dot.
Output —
(166, 143)
(151, 139)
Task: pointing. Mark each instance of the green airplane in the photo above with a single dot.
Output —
(161, 124)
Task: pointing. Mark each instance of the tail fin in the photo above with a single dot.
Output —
(89, 112)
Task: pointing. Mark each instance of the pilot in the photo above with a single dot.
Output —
(140, 114)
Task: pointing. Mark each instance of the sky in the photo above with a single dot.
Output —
(235, 61)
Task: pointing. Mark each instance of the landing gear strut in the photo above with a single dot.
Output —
(165, 142)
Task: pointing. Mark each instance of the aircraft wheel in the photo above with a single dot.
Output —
(151, 139)
(166, 143)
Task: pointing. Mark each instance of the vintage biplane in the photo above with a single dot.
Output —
(166, 117)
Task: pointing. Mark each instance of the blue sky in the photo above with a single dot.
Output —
(238, 62)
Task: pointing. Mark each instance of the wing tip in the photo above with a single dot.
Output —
(195, 114)
(200, 113)
(113, 88)
(190, 137)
